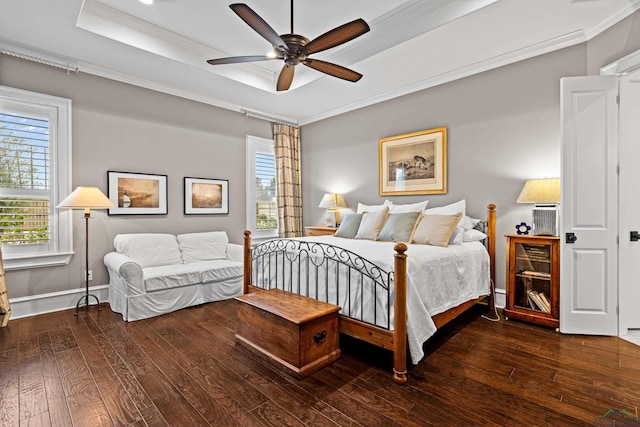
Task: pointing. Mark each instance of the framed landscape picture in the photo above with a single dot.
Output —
(205, 196)
(413, 163)
(137, 193)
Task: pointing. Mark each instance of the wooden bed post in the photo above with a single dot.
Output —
(400, 315)
(491, 232)
(247, 260)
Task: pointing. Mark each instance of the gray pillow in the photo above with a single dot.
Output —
(349, 226)
(398, 227)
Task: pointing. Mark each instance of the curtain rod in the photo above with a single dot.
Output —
(264, 116)
(48, 62)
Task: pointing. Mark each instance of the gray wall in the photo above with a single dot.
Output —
(126, 128)
(503, 128)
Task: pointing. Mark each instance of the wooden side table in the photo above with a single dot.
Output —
(319, 230)
(533, 279)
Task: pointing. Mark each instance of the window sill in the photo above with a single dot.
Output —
(23, 261)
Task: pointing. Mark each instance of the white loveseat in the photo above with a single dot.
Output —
(152, 274)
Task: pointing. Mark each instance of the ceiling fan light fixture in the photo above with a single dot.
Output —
(295, 49)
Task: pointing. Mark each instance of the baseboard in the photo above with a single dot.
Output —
(55, 301)
(501, 298)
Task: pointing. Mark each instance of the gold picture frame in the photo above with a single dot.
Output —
(413, 163)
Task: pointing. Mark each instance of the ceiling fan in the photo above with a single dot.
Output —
(295, 49)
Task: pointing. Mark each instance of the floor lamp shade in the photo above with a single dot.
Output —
(86, 198)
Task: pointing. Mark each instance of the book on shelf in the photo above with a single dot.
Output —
(538, 301)
(532, 273)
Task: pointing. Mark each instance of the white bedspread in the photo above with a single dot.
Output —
(437, 280)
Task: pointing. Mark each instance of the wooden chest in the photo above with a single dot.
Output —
(297, 333)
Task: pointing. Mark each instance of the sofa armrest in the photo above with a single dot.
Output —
(124, 273)
(235, 252)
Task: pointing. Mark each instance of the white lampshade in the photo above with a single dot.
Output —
(332, 201)
(540, 191)
(86, 197)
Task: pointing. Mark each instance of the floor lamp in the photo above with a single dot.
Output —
(86, 198)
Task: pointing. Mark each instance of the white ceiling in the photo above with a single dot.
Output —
(412, 45)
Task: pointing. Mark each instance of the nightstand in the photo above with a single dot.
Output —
(533, 279)
(319, 230)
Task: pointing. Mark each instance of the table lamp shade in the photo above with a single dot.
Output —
(540, 191)
(86, 197)
(545, 193)
(332, 201)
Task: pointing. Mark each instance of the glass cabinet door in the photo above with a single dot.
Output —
(533, 276)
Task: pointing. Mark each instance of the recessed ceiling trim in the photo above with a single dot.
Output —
(527, 52)
(106, 21)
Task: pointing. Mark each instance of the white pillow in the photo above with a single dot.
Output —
(452, 209)
(411, 207)
(149, 249)
(372, 208)
(203, 246)
(473, 235)
(371, 224)
(468, 223)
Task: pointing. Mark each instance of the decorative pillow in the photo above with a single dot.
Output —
(398, 227)
(203, 246)
(468, 223)
(371, 224)
(411, 207)
(435, 230)
(149, 249)
(473, 235)
(372, 208)
(451, 209)
(349, 226)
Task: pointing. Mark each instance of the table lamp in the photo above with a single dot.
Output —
(545, 193)
(332, 203)
(86, 198)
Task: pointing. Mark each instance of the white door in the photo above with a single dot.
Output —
(588, 265)
(629, 279)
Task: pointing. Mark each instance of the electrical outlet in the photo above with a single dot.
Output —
(90, 275)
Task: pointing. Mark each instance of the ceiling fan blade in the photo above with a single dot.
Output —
(259, 25)
(333, 70)
(237, 59)
(338, 35)
(285, 78)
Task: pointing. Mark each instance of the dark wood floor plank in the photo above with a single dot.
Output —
(152, 344)
(119, 405)
(183, 368)
(33, 398)
(55, 398)
(85, 403)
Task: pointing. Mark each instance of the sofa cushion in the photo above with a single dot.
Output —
(218, 270)
(170, 276)
(149, 249)
(203, 246)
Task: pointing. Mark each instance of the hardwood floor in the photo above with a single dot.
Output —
(183, 369)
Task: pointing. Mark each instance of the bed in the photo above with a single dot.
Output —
(392, 295)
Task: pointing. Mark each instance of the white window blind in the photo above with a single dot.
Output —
(35, 162)
(262, 209)
(24, 179)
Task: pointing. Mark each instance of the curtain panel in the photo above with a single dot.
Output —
(286, 144)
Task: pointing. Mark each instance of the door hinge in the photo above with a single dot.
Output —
(617, 309)
(617, 240)
(618, 169)
(618, 99)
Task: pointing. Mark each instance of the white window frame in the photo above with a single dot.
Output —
(59, 250)
(256, 145)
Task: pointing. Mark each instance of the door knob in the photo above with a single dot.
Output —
(634, 236)
(571, 237)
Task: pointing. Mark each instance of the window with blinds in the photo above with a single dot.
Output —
(24, 179)
(266, 208)
(262, 209)
(35, 171)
